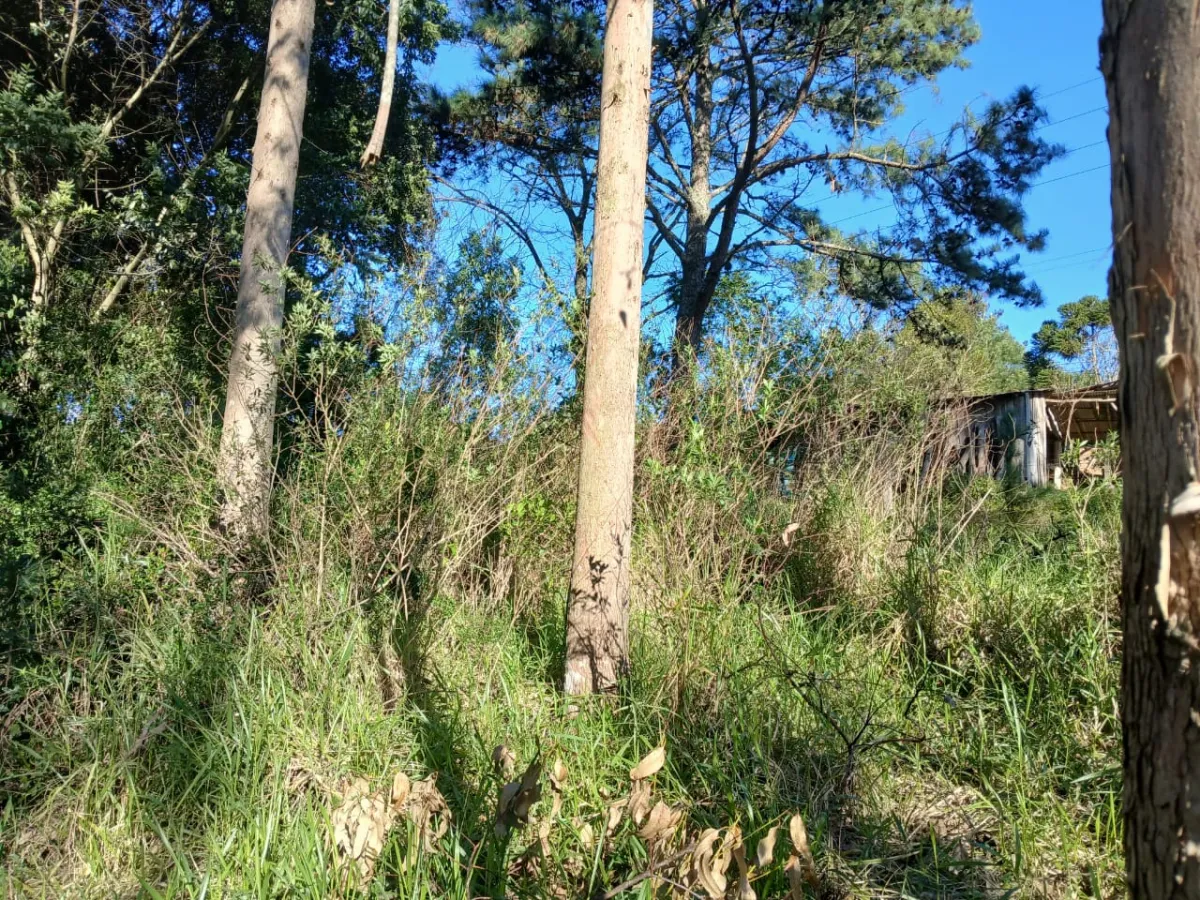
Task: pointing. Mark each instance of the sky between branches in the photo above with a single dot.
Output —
(1048, 44)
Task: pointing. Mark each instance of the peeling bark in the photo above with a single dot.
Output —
(1150, 53)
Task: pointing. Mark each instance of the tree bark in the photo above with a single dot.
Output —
(689, 315)
(244, 469)
(598, 603)
(1150, 56)
(374, 149)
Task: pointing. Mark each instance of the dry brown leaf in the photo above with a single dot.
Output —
(766, 849)
(401, 787)
(651, 763)
(544, 836)
(531, 791)
(745, 892)
(508, 793)
(660, 824)
(720, 863)
(587, 837)
(558, 775)
(795, 877)
(639, 802)
(425, 805)
(788, 531)
(614, 817)
(504, 761)
(709, 864)
(799, 835)
(360, 826)
(516, 798)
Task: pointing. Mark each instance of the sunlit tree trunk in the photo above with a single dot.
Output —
(1151, 62)
(246, 461)
(374, 149)
(598, 604)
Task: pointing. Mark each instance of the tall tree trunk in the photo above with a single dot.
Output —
(689, 315)
(1150, 53)
(598, 603)
(374, 149)
(246, 462)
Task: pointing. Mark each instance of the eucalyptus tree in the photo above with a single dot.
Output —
(597, 639)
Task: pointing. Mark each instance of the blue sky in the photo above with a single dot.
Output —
(1052, 46)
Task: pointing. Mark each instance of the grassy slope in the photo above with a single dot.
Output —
(928, 675)
(189, 749)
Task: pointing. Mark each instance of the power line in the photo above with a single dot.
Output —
(1079, 115)
(1074, 265)
(1083, 147)
(1072, 175)
(1072, 87)
(1054, 259)
(860, 214)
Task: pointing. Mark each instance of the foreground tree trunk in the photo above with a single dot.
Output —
(598, 603)
(245, 466)
(1151, 62)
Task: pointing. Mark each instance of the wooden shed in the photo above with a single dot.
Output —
(1026, 431)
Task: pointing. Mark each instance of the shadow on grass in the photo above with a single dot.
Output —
(737, 762)
(444, 740)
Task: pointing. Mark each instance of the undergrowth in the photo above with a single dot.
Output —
(826, 623)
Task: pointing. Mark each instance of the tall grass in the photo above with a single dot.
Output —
(826, 621)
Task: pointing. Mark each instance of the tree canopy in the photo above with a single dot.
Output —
(759, 113)
(1078, 345)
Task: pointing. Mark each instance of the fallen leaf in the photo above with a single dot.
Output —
(799, 835)
(504, 761)
(795, 877)
(615, 812)
(745, 892)
(558, 775)
(786, 536)
(401, 787)
(426, 805)
(587, 837)
(639, 802)
(360, 826)
(709, 864)
(661, 823)
(766, 849)
(516, 798)
(651, 763)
